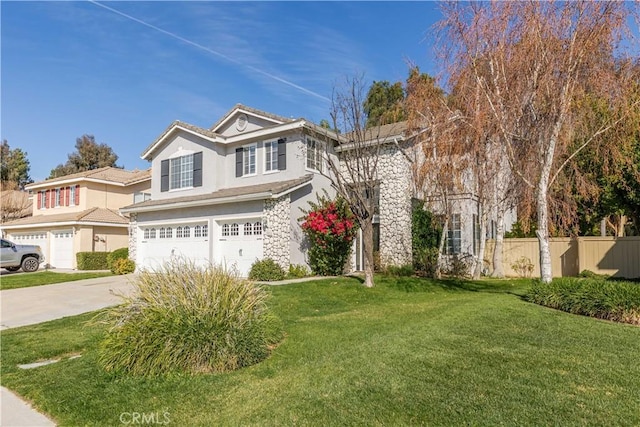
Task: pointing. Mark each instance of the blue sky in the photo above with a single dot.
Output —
(74, 68)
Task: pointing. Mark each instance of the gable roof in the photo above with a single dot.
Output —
(99, 216)
(280, 125)
(110, 175)
(269, 190)
(239, 108)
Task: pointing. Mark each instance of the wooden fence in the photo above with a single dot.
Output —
(614, 256)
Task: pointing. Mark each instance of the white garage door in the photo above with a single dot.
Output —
(158, 244)
(36, 238)
(240, 244)
(62, 254)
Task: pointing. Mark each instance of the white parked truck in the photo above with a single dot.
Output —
(14, 257)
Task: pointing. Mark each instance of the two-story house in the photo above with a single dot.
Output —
(79, 213)
(233, 193)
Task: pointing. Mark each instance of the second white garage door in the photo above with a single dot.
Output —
(240, 244)
(61, 253)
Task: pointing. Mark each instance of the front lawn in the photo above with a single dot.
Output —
(408, 352)
(13, 281)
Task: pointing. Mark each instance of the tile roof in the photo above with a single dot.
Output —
(193, 128)
(116, 175)
(273, 188)
(382, 132)
(106, 216)
(254, 111)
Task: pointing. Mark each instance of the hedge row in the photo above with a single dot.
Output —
(596, 297)
(105, 261)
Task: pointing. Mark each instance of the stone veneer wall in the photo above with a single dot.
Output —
(394, 174)
(133, 233)
(277, 236)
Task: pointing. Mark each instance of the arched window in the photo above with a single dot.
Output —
(169, 232)
(225, 229)
(179, 232)
(205, 230)
(257, 228)
(234, 229)
(152, 233)
(162, 233)
(197, 231)
(186, 231)
(146, 233)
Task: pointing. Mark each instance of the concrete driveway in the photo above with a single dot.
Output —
(28, 306)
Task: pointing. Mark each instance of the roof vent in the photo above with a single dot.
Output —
(241, 122)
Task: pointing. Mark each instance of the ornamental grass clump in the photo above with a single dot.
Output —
(182, 318)
(596, 297)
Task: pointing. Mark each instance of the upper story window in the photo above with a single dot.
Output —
(181, 172)
(270, 156)
(249, 160)
(42, 201)
(58, 197)
(314, 154)
(72, 196)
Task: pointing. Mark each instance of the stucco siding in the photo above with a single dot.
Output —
(212, 166)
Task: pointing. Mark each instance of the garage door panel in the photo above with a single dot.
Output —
(240, 244)
(62, 254)
(161, 244)
(38, 238)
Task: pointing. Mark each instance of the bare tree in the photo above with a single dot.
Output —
(354, 172)
(533, 61)
(14, 204)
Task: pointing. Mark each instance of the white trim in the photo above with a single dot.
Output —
(247, 149)
(206, 202)
(235, 111)
(62, 224)
(55, 184)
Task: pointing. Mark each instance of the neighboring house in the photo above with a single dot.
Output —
(233, 193)
(79, 213)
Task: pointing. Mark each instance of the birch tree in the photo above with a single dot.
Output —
(532, 62)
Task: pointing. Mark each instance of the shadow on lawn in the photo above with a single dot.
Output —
(423, 284)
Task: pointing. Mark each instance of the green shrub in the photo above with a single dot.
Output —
(297, 271)
(122, 253)
(617, 301)
(123, 266)
(182, 318)
(400, 270)
(266, 270)
(92, 260)
(459, 266)
(425, 239)
(591, 275)
(426, 261)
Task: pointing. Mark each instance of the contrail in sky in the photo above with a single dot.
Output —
(206, 49)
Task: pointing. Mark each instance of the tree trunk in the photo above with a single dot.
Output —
(443, 239)
(367, 247)
(543, 232)
(498, 269)
(481, 249)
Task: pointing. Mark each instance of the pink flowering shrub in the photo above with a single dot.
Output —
(330, 227)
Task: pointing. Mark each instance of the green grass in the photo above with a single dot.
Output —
(408, 352)
(40, 278)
